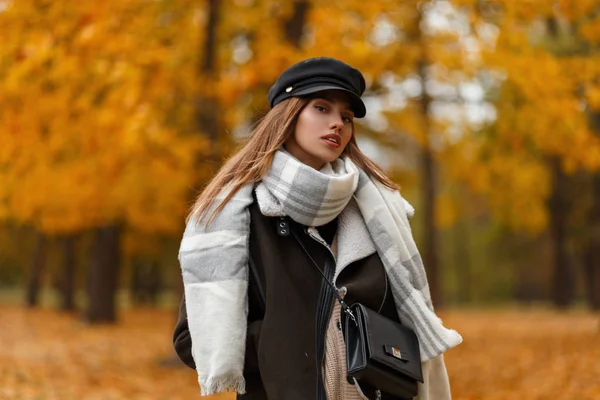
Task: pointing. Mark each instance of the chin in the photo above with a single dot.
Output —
(329, 158)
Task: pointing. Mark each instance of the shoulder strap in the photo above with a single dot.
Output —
(339, 298)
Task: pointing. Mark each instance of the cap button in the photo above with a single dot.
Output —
(288, 89)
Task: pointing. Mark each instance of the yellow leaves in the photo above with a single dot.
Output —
(512, 37)
(409, 120)
(541, 105)
(546, 79)
(590, 30)
(110, 91)
(584, 153)
(519, 193)
(453, 58)
(229, 90)
(515, 183)
(592, 94)
(582, 68)
(446, 211)
(575, 9)
(85, 111)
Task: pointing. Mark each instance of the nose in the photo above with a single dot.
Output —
(336, 122)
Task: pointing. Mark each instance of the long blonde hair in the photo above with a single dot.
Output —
(252, 161)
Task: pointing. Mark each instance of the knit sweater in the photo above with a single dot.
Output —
(334, 362)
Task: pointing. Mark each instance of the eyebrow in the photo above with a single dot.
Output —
(332, 100)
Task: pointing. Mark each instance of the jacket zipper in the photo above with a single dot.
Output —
(324, 306)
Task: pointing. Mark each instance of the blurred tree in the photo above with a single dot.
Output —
(383, 39)
(540, 136)
(67, 279)
(208, 110)
(146, 281)
(590, 254)
(37, 266)
(110, 113)
(103, 275)
(94, 124)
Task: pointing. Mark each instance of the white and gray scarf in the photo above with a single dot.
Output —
(214, 260)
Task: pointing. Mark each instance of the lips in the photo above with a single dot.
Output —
(332, 140)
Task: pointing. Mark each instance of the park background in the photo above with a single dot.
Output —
(114, 114)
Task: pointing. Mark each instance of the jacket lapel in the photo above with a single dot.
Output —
(353, 239)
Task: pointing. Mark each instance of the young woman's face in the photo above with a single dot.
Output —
(323, 129)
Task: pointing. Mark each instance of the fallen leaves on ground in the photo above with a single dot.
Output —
(49, 355)
(533, 355)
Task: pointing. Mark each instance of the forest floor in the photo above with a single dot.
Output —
(506, 354)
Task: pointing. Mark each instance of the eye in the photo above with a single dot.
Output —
(347, 119)
(321, 108)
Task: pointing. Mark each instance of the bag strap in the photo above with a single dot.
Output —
(339, 298)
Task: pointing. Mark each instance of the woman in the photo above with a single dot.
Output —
(258, 317)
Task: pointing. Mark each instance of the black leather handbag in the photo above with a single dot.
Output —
(380, 353)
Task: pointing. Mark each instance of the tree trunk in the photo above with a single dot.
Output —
(462, 261)
(67, 285)
(294, 27)
(36, 269)
(563, 281)
(145, 282)
(207, 107)
(430, 256)
(428, 186)
(103, 275)
(527, 287)
(592, 254)
(210, 42)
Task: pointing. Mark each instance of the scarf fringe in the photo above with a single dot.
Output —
(213, 385)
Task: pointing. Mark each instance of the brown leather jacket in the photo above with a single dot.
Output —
(285, 338)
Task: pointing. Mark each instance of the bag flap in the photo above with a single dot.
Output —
(390, 343)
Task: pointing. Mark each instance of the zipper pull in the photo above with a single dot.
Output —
(283, 227)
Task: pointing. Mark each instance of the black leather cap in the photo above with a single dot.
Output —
(318, 74)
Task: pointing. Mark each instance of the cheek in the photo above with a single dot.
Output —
(306, 126)
(309, 118)
(348, 135)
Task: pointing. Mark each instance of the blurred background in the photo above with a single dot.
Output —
(114, 114)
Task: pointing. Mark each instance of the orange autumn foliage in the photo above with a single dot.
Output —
(94, 121)
(97, 102)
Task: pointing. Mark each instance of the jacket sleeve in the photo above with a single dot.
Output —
(436, 385)
(182, 341)
(181, 337)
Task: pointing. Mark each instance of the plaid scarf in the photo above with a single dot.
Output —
(215, 272)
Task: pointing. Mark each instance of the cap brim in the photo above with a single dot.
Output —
(358, 107)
